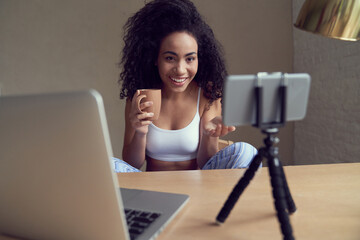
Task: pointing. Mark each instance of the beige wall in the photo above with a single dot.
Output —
(330, 132)
(55, 45)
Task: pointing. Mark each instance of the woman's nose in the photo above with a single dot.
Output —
(180, 68)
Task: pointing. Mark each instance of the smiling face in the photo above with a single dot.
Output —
(178, 61)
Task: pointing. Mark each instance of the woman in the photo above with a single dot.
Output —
(169, 46)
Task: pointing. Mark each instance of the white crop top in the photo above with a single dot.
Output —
(174, 145)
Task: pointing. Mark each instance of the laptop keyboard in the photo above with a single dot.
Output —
(138, 221)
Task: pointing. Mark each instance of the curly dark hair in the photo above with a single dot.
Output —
(143, 34)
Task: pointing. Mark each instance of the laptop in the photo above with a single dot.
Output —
(56, 174)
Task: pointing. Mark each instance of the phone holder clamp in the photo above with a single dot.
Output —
(283, 200)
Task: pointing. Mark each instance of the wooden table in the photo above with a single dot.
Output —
(327, 198)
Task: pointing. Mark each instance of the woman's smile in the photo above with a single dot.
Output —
(179, 81)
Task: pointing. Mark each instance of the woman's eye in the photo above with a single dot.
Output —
(190, 59)
(169, 58)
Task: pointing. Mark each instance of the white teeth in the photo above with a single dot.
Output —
(179, 80)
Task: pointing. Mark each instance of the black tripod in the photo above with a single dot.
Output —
(283, 201)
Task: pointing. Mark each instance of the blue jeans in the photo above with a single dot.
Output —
(237, 155)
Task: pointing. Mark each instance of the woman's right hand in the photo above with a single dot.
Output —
(138, 118)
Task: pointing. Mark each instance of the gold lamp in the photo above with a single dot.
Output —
(338, 19)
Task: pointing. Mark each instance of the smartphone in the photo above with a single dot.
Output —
(239, 99)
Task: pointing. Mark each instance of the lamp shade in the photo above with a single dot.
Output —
(331, 18)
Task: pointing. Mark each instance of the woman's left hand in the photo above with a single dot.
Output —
(216, 128)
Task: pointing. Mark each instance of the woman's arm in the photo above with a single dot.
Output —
(136, 128)
(211, 128)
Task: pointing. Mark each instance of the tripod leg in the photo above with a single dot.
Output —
(239, 188)
(290, 201)
(280, 202)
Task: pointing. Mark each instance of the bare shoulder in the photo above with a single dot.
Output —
(207, 110)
